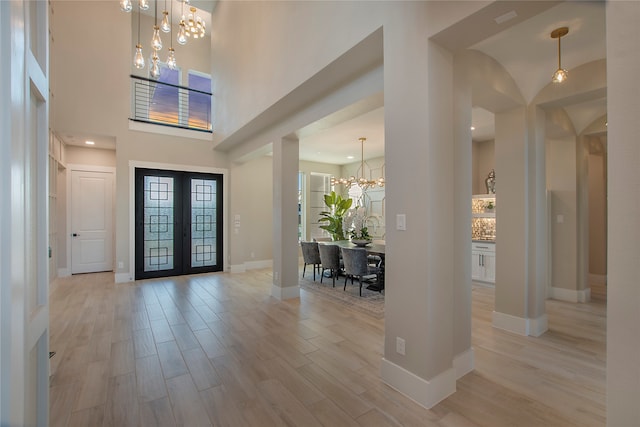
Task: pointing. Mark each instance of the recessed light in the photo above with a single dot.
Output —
(350, 157)
(90, 143)
(473, 128)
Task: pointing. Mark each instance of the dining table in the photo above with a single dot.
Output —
(373, 248)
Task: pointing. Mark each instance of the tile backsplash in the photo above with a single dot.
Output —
(483, 228)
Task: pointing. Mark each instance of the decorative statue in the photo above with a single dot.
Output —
(490, 182)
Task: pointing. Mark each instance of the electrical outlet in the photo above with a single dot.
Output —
(120, 264)
(400, 346)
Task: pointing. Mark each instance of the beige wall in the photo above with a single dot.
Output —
(561, 184)
(483, 162)
(90, 156)
(101, 75)
(598, 214)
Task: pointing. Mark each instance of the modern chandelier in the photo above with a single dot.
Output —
(191, 25)
(561, 74)
(361, 182)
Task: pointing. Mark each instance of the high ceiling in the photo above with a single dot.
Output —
(517, 47)
(524, 41)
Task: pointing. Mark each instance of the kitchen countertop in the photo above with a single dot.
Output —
(483, 241)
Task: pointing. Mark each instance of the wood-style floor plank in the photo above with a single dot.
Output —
(216, 349)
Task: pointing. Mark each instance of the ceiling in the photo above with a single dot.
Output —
(524, 41)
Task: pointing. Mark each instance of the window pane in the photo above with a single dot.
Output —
(199, 103)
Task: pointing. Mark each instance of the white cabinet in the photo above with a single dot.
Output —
(483, 262)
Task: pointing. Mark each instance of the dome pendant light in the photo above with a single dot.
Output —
(561, 74)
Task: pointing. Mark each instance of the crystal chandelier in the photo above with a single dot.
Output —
(361, 182)
(191, 26)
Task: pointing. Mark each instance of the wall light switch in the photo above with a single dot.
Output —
(400, 346)
(401, 222)
(560, 219)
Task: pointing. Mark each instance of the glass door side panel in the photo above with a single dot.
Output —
(158, 223)
(203, 222)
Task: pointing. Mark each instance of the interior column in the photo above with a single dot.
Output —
(285, 212)
(519, 156)
(419, 150)
(623, 292)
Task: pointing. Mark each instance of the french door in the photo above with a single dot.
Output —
(178, 223)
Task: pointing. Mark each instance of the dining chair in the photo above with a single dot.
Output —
(356, 264)
(311, 256)
(330, 260)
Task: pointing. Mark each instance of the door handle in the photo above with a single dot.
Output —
(75, 234)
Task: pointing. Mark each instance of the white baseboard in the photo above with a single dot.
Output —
(464, 363)
(426, 393)
(598, 279)
(570, 295)
(519, 325)
(237, 268)
(123, 277)
(251, 265)
(290, 292)
(64, 272)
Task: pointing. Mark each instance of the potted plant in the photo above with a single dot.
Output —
(356, 223)
(334, 217)
(490, 206)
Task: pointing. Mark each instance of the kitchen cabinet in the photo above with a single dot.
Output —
(483, 262)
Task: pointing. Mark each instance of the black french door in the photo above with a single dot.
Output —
(178, 220)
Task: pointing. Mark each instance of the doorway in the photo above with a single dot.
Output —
(91, 221)
(178, 223)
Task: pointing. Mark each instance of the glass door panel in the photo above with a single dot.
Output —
(178, 223)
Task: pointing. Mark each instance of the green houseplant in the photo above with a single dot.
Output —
(334, 217)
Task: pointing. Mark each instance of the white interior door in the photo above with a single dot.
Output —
(91, 221)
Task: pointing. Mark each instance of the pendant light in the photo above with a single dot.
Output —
(138, 58)
(154, 70)
(182, 32)
(143, 4)
(125, 5)
(165, 26)
(561, 74)
(156, 42)
(171, 59)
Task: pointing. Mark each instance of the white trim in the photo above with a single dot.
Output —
(598, 279)
(133, 164)
(519, 325)
(426, 393)
(257, 265)
(170, 130)
(89, 168)
(63, 272)
(238, 268)
(289, 292)
(570, 295)
(464, 362)
(123, 277)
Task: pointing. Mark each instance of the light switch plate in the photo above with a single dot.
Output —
(401, 222)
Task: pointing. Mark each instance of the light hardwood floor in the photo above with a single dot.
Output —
(218, 350)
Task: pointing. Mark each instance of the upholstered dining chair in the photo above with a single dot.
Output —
(356, 264)
(311, 256)
(330, 260)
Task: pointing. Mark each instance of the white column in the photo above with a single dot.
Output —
(623, 292)
(285, 212)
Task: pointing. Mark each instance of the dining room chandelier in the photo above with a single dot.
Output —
(189, 26)
(361, 181)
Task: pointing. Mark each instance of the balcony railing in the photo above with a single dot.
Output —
(170, 105)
